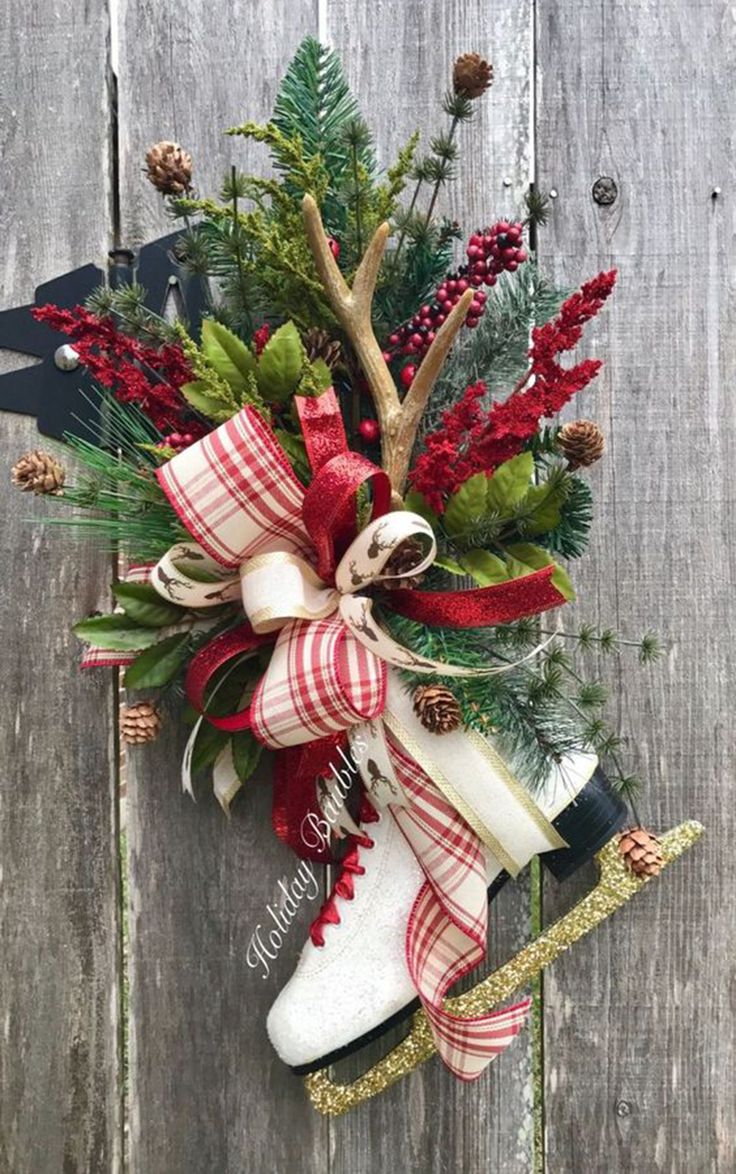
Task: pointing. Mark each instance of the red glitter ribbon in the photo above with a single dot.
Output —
(481, 607)
(294, 794)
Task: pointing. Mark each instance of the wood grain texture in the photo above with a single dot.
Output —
(188, 72)
(639, 1019)
(398, 59)
(60, 1099)
(207, 1090)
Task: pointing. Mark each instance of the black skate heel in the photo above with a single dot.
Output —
(587, 823)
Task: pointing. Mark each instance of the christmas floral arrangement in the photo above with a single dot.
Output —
(346, 511)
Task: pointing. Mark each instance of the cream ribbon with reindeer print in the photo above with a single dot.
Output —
(279, 586)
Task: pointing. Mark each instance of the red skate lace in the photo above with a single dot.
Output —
(344, 886)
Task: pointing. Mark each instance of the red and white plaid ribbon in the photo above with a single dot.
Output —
(447, 930)
(101, 658)
(319, 680)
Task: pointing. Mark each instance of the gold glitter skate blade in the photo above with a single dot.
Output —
(614, 888)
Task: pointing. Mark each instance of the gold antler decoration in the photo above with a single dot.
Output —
(399, 419)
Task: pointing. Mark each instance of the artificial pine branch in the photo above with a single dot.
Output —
(127, 303)
(314, 102)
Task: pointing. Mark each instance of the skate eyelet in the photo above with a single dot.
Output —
(344, 887)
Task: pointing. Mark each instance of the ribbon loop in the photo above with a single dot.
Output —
(280, 587)
(331, 505)
(319, 680)
(365, 559)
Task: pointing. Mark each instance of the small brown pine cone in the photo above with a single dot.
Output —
(437, 708)
(406, 556)
(169, 168)
(39, 472)
(139, 723)
(641, 852)
(319, 345)
(582, 442)
(471, 75)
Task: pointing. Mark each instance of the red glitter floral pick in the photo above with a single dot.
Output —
(147, 376)
(470, 441)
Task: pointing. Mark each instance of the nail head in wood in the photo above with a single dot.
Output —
(605, 190)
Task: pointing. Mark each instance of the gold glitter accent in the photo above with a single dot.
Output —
(614, 888)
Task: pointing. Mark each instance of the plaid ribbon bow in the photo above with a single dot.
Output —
(293, 558)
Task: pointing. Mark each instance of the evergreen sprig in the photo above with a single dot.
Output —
(127, 303)
(123, 504)
(314, 104)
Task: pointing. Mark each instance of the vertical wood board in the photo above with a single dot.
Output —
(60, 1107)
(639, 1019)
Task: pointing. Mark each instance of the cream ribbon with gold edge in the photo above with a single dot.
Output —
(469, 773)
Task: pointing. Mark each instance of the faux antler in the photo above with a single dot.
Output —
(399, 420)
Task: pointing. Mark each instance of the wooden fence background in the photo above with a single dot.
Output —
(638, 1029)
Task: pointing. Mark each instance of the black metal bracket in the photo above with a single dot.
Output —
(60, 397)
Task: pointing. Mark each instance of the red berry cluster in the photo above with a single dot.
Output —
(177, 441)
(494, 249)
(261, 337)
(489, 253)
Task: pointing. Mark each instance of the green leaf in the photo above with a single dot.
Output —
(467, 505)
(143, 604)
(449, 564)
(296, 451)
(197, 393)
(209, 742)
(246, 753)
(160, 664)
(486, 568)
(230, 357)
(417, 503)
(280, 365)
(321, 373)
(541, 508)
(509, 484)
(114, 633)
(525, 558)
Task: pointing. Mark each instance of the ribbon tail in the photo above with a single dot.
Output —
(225, 781)
(357, 612)
(298, 819)
(481, 607)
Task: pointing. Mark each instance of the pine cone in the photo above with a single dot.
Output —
(437, 708)
(319, 345)
(169, 168)
(582, 442)
(139, 723)
(406, 556)
(471, 75)
(641, 852)
(39, 472)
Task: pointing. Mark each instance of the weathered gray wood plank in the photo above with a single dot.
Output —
(398, 59)
(60, 1107)
(639, 1036)
(207, 1091)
